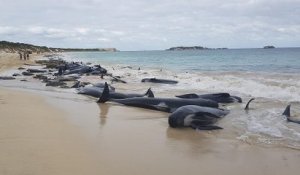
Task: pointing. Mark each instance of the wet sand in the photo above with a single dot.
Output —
(65, 133)
(35, 138)
(137, 141)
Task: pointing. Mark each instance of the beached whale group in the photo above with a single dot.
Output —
(198, 111)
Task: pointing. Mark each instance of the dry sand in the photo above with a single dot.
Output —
(12, 60)
(43, 135)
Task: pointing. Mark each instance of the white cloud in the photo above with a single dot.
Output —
(36, 30)
(157, 24)
(82, 31)
(8, 30)
(103, 39)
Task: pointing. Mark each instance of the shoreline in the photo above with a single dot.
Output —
(80, 136)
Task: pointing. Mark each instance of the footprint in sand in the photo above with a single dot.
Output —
(1, 101)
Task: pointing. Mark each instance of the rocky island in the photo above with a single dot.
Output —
(181, 48)
(269, 47)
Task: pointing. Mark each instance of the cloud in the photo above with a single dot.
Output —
(8, 30)
(158, 24)
(104, 39)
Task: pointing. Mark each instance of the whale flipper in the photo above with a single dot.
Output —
(287, 112)
(204, 121)
(205, 127)
(163, 107)
(105, 94)
(247, 106)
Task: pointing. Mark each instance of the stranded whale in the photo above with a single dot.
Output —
(197, 117)
(97, 92)
(218, 97)
(160, 104)
(157, 80)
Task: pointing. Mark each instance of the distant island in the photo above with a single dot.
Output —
(269, 47)
(17, 47)
(180, 48)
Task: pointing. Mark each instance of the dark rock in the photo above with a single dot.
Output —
(7, 78)
(41, 77)
(116, 79)
(36, 71)
(52, 63)
(55, 83)
(16, 74)
(70, 78)
(27, 74)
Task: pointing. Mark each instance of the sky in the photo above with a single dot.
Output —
(151, 24)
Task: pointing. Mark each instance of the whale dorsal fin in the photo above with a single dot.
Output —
(247, 106)
(287, 110)
(149, 93)
(287, 113)
(105, 94)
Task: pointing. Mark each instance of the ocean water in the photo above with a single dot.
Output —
(269, 75)
(284, 60)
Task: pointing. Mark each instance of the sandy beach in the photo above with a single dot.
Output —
(36, 138)
(12, 60)
(64, 133)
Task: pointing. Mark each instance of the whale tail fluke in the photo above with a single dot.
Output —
(247, 106)
(287, 112)
(105, 94)
(149, 93)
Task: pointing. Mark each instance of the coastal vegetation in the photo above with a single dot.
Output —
(13, 47)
